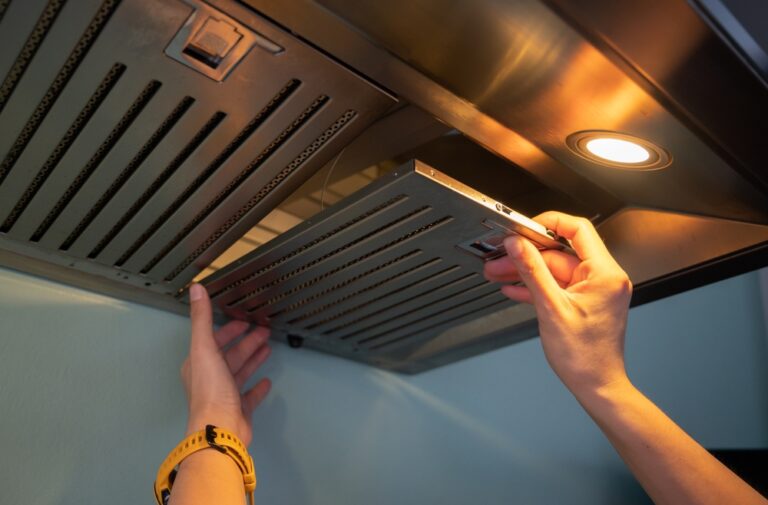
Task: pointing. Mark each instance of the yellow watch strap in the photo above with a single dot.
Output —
(211, 437)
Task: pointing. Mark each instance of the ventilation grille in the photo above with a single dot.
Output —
(98, 156)
(31, 45)
(126, 165)
(133, 165)
(59, 82)
(222, 157)
(63, 146)
(372, 277)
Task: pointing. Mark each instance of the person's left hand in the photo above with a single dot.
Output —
(213, 378)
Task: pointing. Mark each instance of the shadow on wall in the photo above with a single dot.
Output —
(275, 462)
(338, 432)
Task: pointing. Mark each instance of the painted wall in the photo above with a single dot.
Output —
(90, 403)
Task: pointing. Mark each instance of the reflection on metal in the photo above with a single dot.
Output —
(489, 41)
(651, 243)
(518, 78)
(677, 56)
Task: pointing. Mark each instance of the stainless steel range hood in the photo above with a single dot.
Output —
(144, 144)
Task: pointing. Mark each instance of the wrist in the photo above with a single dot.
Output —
(594, 379)
(199, 421)
(607, 394)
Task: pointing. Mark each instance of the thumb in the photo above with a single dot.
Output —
(533, 270)
(202, 319)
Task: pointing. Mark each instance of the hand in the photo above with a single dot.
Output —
(581, 303)
(213, 378)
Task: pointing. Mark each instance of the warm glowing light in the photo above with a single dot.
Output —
(617, 150)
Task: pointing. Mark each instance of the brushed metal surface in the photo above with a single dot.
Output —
(118, 157)
(650, 243)
(681, 52)
(523, 66)
(331, 32)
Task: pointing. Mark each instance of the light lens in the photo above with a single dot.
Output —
(617, 150)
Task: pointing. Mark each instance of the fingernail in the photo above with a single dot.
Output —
(195, 292)
(514, 246)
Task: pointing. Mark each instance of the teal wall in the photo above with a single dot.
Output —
(90, 403)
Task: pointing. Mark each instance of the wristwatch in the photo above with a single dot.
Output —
(214, 438)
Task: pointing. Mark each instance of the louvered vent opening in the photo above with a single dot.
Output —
(371, 277)
(121, 163)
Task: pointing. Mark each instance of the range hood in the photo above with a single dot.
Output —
(145, 144)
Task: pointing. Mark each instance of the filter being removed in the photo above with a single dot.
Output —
(391, 276)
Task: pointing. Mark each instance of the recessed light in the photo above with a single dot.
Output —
(618, 150)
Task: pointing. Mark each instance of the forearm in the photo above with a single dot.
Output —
(669, 464)
(206, 477)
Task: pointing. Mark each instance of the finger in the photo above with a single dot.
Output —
(500, 270)
(238, 354)
(202, 320)
(559, 263)
(517, 293)
(254, 396)
(251, 365)
(229, 332)
(533, 270)
(580, 231)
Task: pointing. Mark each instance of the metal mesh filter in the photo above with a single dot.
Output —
(373, 278)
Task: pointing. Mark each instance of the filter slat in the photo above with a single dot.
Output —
(50, 56)
(26, 52)
(16, 24)
(145, 107)
(240, 179)
(299, 248)
(192, 193)
(371, 249)
(374, 232)
(354, 282)
(376, 287)
(52, 175)
(473, 308)
(124, 176)
(58, 84)
(269, 195)
(271, 161)
(407, 315)
(54, 146)
(407, 289)
(3, 7)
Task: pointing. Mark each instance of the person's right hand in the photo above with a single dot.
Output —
(581, 303)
